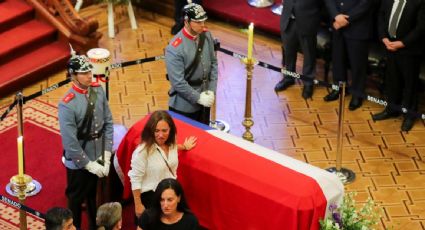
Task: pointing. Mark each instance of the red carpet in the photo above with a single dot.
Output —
(242, 12)
(42, 154)
(29, 48)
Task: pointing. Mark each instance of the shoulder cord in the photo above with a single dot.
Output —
(168, 166)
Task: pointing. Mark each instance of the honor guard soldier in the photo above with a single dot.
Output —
(192, 67)
(87, 130)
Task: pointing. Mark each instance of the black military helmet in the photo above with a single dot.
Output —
(194, 12)
(79, 64)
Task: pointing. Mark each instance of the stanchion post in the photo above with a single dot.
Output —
(341, 113)
(345, 175)
(22, 185)
(19, 180)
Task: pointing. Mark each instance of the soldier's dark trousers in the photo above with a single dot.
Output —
(202, 115)
(81, 186)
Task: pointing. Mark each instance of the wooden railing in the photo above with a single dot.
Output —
(81, 32)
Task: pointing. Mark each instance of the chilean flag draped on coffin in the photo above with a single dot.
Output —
(231, 183)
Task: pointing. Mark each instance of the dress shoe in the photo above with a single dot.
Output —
(284, 84)
(407, 124)
(332, 96)
(386, 114)
(307, 91)
(355, 103)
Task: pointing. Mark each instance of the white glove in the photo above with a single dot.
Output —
(206, 98)
(212, 96)
(107, 163)
(95, 168)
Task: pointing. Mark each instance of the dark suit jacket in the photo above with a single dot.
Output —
(307, 13)
(360, 17)
(411, 27)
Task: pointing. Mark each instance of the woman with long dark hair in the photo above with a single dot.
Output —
(169, 210)
(155, 158)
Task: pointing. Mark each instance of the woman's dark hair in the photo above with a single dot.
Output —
(148, 133)
(155, 211)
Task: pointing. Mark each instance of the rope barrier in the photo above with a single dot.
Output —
(62, 83)
(295, 75)
(22, 207)
(3, 116)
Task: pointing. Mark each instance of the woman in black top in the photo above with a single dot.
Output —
(169, 210)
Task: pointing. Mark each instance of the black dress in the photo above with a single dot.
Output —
(187, 222)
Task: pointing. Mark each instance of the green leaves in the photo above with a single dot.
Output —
(352, 216)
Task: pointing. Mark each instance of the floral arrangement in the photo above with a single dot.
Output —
(347, 216)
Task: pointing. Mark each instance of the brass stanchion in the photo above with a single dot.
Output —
(277, 9)
(218, 124)
(22, 185)
(248, 122)
(345, 175)
(260, 3)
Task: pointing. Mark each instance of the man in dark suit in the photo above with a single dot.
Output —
(299, 23)
(402, 31)
(352, 24)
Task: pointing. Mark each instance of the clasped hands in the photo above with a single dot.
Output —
(206, 98)
(392, 45)
(97, 168)
(341, 20)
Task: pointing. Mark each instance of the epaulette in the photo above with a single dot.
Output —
(177, 42)
(95, 84)
(68, 97)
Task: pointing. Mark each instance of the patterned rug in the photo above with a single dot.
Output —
(9, 219)
(43, 151)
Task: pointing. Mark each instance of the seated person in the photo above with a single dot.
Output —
(169, 210)
(58, 218)
(109, 216)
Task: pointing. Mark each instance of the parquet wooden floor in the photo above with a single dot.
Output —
(389, 164)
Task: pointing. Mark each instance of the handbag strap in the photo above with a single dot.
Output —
(168, 166)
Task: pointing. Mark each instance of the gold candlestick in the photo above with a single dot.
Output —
(22, 185)
(249, 65)
(248, 122)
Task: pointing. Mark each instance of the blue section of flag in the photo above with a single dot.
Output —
(190, 121)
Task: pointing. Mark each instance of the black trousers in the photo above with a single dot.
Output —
(402, 79)
(292, 40)
(81, 186)
(349, 53)
(147, 201)
(202, 115)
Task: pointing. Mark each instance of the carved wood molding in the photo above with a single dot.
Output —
(81, 32)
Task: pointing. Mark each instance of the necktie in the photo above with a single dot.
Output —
(392, 29)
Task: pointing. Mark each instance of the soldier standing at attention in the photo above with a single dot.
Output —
(192, 67)
(87, 130)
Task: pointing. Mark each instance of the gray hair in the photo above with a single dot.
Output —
(108, 215)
